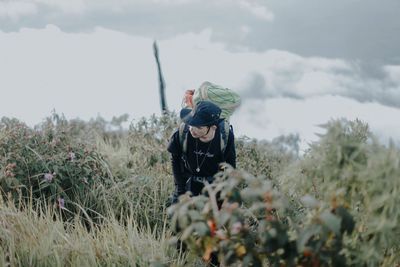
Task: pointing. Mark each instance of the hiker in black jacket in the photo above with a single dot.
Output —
(199, 147)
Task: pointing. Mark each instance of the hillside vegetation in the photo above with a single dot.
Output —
(77, 193)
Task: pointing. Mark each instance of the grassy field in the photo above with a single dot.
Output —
(104, 203)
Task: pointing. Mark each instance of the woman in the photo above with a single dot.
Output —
(199, 148)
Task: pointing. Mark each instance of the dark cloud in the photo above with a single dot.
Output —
(156, 19)
(357, 29)
(365, 30)
(255, 88)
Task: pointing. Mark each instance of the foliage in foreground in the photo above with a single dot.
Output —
(334, 207)
(37, 236)
(252, 225)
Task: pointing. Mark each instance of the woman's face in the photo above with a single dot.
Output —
(198, 132)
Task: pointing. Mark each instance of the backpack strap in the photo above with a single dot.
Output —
(224, 128)
(183, 135)
(183, 132)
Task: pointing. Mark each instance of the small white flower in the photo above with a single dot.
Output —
(309, 202)
(61, 202)
(48, 177)
(236, 228)
(71, 156)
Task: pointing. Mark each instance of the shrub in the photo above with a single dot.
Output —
(148, 141)
(349, 160)
(263, 158)
(252, 228)
(48, 165)
(335, 206)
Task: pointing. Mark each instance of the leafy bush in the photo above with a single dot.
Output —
(349, 162)
(335, 206)
(252, 227)
(48, 165)
(263, 158)
(148, 140)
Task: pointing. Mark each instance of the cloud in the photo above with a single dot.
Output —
(257, 9)
(393, 74)
(357, 30)
(149, 18)
(269, 118)
(71, 7)
(256, 87)
(311, 28)
(289, 75)
(14, 10)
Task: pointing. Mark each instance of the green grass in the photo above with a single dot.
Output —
(123, 221)
(38, 237)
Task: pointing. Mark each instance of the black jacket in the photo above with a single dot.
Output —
(203, 156)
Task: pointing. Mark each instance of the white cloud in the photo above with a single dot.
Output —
(285, 74)
(266, 119)
(15, 9)
(393, 73)
(257, 9)
(314, 83)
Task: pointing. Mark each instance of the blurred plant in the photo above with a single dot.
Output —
(251, 226)
(348, 163)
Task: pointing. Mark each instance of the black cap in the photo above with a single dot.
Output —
(205, 113)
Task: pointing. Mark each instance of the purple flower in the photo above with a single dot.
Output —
(48, 177)
(61, 202)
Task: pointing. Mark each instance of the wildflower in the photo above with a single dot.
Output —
(53, 143)
(48, 177)
(71, 156)
(61, 202)
(236, 228)
(213, 226)
(10, 174)
(11, 166)
(9, 170)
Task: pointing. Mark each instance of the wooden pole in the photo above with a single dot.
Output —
(164, 109)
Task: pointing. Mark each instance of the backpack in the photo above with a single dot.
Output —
(225, 98)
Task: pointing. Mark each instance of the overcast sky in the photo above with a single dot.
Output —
(296, 63)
